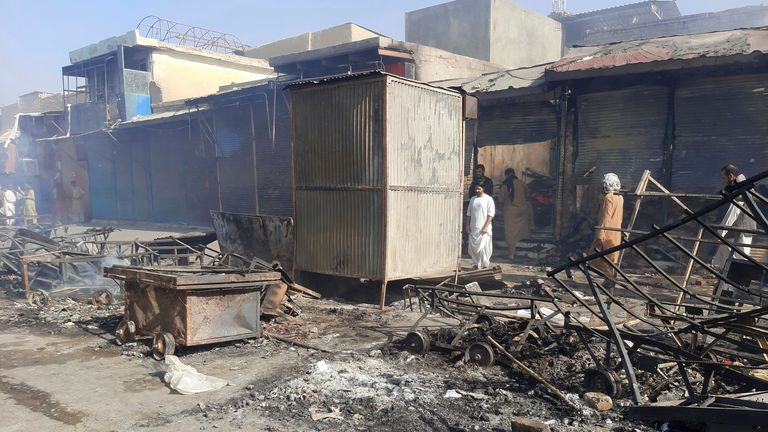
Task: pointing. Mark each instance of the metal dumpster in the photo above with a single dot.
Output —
(190, 307)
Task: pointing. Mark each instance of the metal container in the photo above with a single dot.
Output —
(191, 308)
(378, 165)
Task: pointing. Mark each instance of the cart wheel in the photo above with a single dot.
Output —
(417, 343)
(602, 381)
(163, 345)
(479, 353)
(126, 332)
(486, 321)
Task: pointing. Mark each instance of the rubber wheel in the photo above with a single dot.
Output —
(417, 343)
(479, 353)
(163, 344)
(602, 381)
(125, 332)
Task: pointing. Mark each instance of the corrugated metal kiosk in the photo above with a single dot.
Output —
(378, 164)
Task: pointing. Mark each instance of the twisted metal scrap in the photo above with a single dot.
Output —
(735, 327)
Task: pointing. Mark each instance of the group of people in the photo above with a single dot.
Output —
(516, 208)
(513, 197)
(18, 202)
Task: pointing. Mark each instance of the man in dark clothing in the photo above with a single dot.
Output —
(482, 180)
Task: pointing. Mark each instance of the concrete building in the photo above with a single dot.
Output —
(650, 19)
(40, 102)
(680, 107)
(337, 35)
(8, 116)
(130, 75)
(405, 59)
(498, 31)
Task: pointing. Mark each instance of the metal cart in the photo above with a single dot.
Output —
(186, 307)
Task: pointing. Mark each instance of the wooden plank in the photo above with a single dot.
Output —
(226, 278)
(303, 290)
(186, 280)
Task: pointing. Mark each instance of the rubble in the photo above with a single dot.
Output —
(522, 424)
(598, 401)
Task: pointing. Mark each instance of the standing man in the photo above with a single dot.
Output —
(516, 210)
(30, 208)
(482, 180)
(480, 213)
(610, 216)
(76, 204)
(9, 205)
(734, 217)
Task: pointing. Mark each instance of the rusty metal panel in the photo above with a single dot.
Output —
(155, 309)
(423, 232)
(425, 151)
(269, 238)
(340, 232)
(339, 177)
(622, 132)
(217, 316)
(424, 136)
(339, 134)
(369, 150)
(719, 120)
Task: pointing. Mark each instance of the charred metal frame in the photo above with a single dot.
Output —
(722, 319)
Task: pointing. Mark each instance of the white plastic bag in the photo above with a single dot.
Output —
(187, 380)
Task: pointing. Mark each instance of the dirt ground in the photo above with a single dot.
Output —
(61, 370)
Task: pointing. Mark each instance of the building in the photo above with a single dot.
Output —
(650, 19)
(146, 74)
(680, 106)
(497, 31)
(126, 76)
(409, 60)
(337, 35)
(35, 115)
(229, 151)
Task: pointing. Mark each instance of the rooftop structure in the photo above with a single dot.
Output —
(130, 75)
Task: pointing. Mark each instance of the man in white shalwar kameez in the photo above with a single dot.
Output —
(734, 217)
(9, 205)
(480, 213)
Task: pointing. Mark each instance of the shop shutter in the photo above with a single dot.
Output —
(719, 120)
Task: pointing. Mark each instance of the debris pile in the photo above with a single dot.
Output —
(695, 331)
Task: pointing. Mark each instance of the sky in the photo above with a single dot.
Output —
(37, 35)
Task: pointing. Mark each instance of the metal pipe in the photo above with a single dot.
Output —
(728, 196)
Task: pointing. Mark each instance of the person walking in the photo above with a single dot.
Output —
(482, 180)
(76, 203)
(9, 205)
(30, 207)
(610, 215)
(516, 210)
